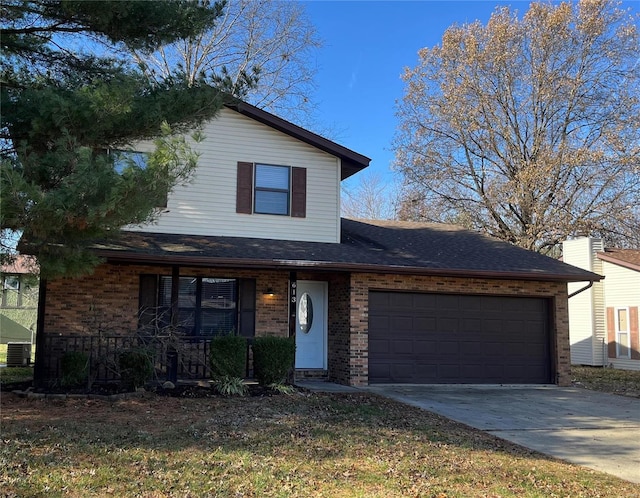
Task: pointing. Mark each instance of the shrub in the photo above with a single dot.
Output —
(273, 359)
(228, 357)
(282, 389)
(136, 368)
(74, 367)
(229, 386)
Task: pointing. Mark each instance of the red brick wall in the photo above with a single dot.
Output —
(339, 339)
(107, 300)
(362, 283)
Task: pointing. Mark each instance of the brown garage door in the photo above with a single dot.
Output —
(447, 338)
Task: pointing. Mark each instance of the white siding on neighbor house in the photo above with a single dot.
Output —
(207, 206)
(622, 289)
(622, 285)
(600, 351)
(586, 321)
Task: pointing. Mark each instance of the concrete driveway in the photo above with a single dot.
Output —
(596, 430)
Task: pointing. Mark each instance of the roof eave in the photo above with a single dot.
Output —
(612, 259)
(352, 162)
(275, 264)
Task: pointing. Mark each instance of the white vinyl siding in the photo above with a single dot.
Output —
(622, 291)
(600, 352)
(622, 285)
(207, 206)
(586, 315)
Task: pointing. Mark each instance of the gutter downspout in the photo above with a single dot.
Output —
(604, 361)
(580, 290)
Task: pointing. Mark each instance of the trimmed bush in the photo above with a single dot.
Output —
(136, 368)
(74, 367)
(273, 359)
(228, 357)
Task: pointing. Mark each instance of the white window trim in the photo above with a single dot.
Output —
(619, 331)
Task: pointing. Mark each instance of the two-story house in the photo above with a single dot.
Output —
(255, 245)
(603, 320)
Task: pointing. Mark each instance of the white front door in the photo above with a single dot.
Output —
(311, 324)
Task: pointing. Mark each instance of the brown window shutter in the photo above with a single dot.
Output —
(147, 302)
(611, 333)
(299, 192)
(635, 336)
(247, 307)
(244, 188)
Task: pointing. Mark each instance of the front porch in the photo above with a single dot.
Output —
(166, 310)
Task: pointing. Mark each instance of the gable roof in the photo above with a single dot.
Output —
(366, 246)
(628, 258)
(352, 162)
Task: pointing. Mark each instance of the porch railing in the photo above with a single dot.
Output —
(174, 357)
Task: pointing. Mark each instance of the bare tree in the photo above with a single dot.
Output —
(527, 128)
(270, 42)
(372, 198)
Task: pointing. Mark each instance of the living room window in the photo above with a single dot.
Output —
(272, 188)
(206, 306)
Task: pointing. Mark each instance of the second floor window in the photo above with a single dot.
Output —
(124, 158)
(272, 189)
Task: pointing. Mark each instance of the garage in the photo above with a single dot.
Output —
(427, 338)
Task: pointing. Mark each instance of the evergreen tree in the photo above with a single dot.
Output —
(70, 103)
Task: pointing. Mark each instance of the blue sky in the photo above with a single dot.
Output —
(367, 44)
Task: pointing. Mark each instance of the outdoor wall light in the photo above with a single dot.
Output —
(269, 292)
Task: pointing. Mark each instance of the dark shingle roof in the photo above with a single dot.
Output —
(371, 246)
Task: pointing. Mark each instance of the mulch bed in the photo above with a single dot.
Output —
(179, 391)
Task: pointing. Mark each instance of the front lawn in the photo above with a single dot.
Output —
(332, 445)
(608, 380)
(9, 376)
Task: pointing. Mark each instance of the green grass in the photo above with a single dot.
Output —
(609, 380)
(320, 445)
(13, 374)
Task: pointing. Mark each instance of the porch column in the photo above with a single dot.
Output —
(175, 295)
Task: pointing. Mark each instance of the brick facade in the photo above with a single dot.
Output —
(107, 302)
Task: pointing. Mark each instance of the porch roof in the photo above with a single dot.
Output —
(366, 246)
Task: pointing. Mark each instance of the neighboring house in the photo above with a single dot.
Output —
(603, 320)
(255, 245)
(19, 302)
